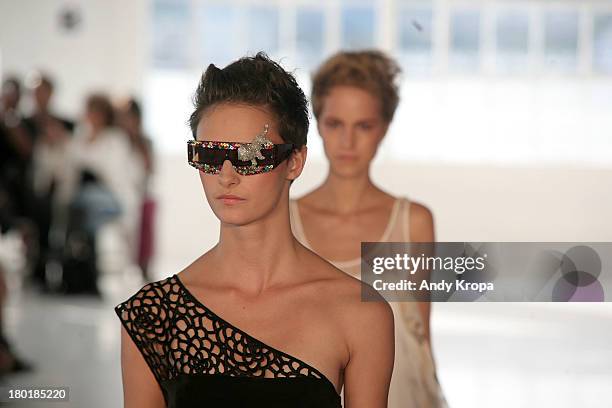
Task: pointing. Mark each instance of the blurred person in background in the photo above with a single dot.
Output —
(15, 153)
(15, 147)
(10, 362)
(101, 184)
(51, 135)
(354, 97)
(129, 118)
(15, 166)
(42, 88)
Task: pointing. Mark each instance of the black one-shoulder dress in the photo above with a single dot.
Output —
(201, 360)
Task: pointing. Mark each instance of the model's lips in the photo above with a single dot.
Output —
(230, 196)
(230, 199)
(347, 157)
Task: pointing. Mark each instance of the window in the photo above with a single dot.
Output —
(523, 114)
(357, 24)
(561, 40)
(172, 30)
(415, 39)
(217, 22)
(512, 41)
(262, 34)
(602, 43)
(228, 32)
(464, 41)
(310, 41)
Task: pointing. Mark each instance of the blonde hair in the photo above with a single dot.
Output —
(370, 70)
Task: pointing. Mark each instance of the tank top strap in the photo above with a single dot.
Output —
(405, 219)
(398, 230)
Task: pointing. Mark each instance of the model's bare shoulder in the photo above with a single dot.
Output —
(365, 307)
(202, 263)
(356, 304)
(368, 329)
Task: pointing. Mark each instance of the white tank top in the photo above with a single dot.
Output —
(414, 383)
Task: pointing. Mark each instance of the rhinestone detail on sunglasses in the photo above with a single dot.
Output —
(245, 152)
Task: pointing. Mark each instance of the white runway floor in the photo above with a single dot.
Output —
(488, 354)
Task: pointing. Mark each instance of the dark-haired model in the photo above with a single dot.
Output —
(259, 320)
(354, 97)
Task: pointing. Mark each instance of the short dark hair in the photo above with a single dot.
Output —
(256, 81)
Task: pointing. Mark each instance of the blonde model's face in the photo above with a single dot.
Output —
(352, 127)
(259, 193)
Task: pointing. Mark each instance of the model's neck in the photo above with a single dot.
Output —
(259, 255)
(346, 195)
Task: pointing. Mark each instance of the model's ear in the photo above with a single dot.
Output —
(296, 162)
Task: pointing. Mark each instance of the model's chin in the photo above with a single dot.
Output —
(227, 218)
(230, 213)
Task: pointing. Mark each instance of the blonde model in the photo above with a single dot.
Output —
(354, 97)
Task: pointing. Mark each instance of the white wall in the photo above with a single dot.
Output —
(107, 52)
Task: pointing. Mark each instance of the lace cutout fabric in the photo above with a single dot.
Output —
(177, 334)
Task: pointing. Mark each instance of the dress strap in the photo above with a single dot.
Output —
(405, 219)
(296, 223)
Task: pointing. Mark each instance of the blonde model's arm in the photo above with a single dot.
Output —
(422, 230)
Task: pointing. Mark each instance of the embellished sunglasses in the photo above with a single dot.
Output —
(259, 156)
